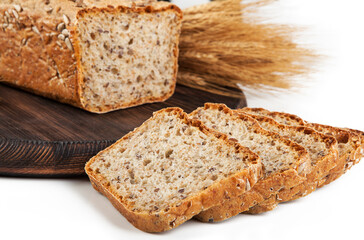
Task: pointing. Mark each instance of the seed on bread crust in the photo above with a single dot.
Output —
(68, 44)
(61, 37)
(18, 8)
(15, 13)
(61, 26)
(35, 29)
(49, 10)
(66, 19)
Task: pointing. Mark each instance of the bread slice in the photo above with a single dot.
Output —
(285, 163)
(348, 149)
(350, 142)
(360, 152)
(170, 169)
(96, 55)
(323, 151)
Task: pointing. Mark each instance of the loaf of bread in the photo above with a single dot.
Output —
(170, 169)
(96, 55)
(350, 142)
(285, 162)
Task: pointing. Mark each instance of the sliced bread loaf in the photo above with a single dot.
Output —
(323, 151)
(285, 163)
(170, 169)
(350, 142)
(96, 55)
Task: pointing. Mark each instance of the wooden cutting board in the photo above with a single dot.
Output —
(41, 137)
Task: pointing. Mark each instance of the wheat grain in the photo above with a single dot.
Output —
(222, 46)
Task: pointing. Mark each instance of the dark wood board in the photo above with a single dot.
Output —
(41, 137)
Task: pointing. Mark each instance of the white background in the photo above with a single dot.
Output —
(70, 208)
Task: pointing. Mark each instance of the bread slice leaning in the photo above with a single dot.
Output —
(170, 169)
(350, 142)
(285, 163)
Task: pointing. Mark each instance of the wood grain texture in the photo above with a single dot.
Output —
(41, 137)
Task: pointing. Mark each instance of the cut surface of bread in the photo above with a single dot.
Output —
(96, 55)
(171, 168)
(128, 56)
(350, 142)
(323, 152)
(285, 163)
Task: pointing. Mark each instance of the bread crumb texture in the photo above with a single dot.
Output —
(127, 56)
(316, 144)
(165, 161)
(276, 155)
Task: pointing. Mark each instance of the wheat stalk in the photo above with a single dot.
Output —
(222, 47)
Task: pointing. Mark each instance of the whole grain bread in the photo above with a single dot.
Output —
(170, 169)
(285, 163)
(96, 55)
(323, 151)
(348, 149)
(350, 142)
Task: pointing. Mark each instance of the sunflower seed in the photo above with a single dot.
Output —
(49, 10)
(247, 186)
(18, 8)
(68, 44)
(15, 13)
(65, 32)
(7, 15)
(35, 29)
(24, 41)
(59, 44)
(60, 27)
(66, 19)
(61, 37)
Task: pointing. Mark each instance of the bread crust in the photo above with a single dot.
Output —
(290, 119)
(52, 68)
(218, 192)
(265, 206)
(346, 160)
(25, 60)
(360, 152)
(267, 187)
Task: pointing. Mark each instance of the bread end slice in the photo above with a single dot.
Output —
(170, 169)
